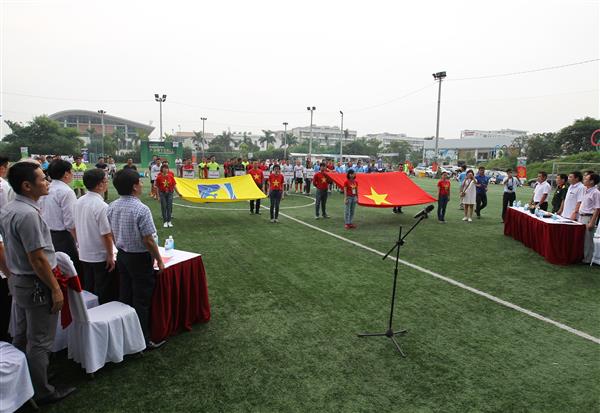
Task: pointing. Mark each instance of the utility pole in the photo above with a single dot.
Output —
(160, 100)
(285, 140)
(311, 109)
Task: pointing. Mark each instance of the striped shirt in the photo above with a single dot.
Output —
(130, 221)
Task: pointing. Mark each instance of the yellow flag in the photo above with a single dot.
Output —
(233, 189)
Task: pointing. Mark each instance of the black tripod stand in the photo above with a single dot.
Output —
(390, 333)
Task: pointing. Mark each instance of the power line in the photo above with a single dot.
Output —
(392, 100)
(541, 69)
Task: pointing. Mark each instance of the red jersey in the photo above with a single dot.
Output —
(257, 175)
(263, 167)
(276, 182)
(321, 181)
(444, 188)
(165, 183)
(351, 187)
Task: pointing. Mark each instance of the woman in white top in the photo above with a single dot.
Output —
(468, 195)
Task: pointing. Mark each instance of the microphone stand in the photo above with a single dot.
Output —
(390, 333)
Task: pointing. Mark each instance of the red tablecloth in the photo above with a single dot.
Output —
(559, 243)
(180, 299)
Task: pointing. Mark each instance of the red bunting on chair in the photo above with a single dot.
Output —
(386, 190)
(66, 282)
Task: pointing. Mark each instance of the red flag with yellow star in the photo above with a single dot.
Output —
(386, 190)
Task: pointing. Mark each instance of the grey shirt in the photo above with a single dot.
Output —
(24, 231)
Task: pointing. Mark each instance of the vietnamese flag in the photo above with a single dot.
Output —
(386, 189)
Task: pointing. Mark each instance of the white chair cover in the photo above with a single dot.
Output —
(101, 334)
(596, 256)
(60, 338)
(15, 382)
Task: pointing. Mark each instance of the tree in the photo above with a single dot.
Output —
(268, 139)
(402, 148)
(290, 140)
(575, 138)
(541, 146)
(42, 136)
(120, 139)
(221, 143)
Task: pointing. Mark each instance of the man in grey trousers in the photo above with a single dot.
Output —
(30, 258)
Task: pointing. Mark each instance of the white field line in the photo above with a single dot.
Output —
(457, 284)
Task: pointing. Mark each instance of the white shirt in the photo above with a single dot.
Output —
(91, 223)
(57, 206)
(541, 189)
(574, 195)
(298, 171)
(154, 171)
(6, 193)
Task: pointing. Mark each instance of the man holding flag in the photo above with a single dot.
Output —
(321, 182)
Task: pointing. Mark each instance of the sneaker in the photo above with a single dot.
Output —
(153, 346)
(352, 226)
(276, 221)
(251, 212)
(326, 217)
(317, 217)
(166, 225)
(470, 220)
(170, 224)
(347, 226)
(257, 213)
(465, 218)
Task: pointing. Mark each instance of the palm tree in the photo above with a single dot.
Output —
(199, 139)
(289, 140)
(268, 139)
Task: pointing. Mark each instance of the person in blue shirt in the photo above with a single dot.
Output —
(481, 189)
(339, 168)
(461, 178)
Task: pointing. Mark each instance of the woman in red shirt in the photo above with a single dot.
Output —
(350, 198)
(276, 185)
(165, 183)
(443, 196)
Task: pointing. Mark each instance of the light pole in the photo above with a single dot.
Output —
(102, 112)
(311, 109)
(285, 140)
(439, 76)
(202, 143)
(341, 134)
(160, 100)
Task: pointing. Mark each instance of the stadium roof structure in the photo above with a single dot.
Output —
(108, 119)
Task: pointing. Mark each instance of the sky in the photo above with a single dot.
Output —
(252, 65)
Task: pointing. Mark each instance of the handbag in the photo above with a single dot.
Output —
(464, 191)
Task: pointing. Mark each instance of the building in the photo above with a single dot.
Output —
(322, 135)
(480, 149)
(189, 140)
(387, 138)
(86, 121)
(492, 134)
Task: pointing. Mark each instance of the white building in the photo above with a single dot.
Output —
(492, 134)
(322, 135)
(387, 138)
(187, 138)
(481, 149)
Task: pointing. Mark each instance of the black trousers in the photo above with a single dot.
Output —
(321, 201)
(255, 206)
(5, 305)
(97, 280)
(480, 202)
(543, 206)
(137, 284)
(507, 199)
(63, 241)
(275, 198)
(442, 204)
(307, 185)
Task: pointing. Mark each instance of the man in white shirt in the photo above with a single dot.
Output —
(589, 212)
(95, 235)
(575, 193)
(541, 191)
(57, 210)
(6, 192)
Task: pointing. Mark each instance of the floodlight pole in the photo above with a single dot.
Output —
(311, 109)
(102, 112)
(203, 139)
(285, 140)
(160, 100)
(341, 134)
(439, 76)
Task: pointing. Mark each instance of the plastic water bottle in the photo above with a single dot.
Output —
(169, 246)
(155, 237)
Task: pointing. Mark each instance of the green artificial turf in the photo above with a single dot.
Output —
(287, 302)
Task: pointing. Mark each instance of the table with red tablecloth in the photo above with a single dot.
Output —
(558, 241)
(180, 297)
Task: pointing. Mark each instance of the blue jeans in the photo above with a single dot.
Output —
(349, 210)
(321, 201)
(166, 205)
(275, 198)
(442, 203)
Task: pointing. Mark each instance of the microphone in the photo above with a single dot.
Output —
(425, 211)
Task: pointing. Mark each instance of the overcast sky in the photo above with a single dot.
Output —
(251, 65)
